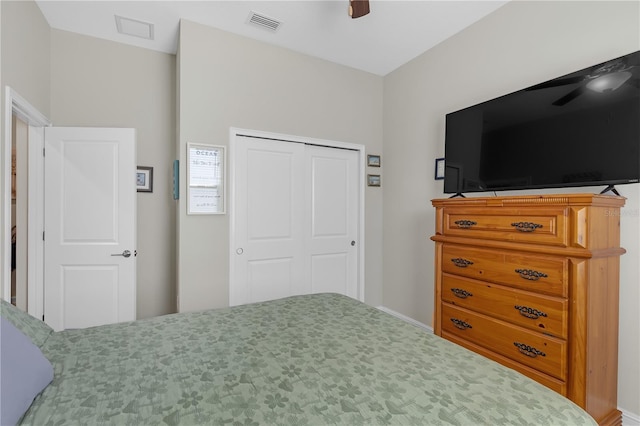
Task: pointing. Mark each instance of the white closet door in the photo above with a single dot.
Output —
(269, 220)
(295, 216)
(332, 193)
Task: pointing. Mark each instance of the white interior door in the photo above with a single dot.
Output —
(294, 219)
(90, 226)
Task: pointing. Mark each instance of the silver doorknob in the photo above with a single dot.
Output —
(125, 253)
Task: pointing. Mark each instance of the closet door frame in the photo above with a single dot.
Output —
(235, 133)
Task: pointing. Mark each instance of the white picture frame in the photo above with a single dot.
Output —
(206, 180)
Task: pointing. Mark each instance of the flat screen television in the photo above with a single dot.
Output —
(581, 129)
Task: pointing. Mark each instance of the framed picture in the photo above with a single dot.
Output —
(206, 188)
(439, 168)
(373, 160)
(373, 180)
(144, 179)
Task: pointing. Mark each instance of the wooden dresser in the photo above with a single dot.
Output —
(532, 282)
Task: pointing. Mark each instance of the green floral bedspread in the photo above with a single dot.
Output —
(308, 360)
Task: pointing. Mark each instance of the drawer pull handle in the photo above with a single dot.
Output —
(460, 324)
(527, 350)
(465, 223)
(462, 294)
(530, 312)
(526, 226)
(531, 275)
(461, 263)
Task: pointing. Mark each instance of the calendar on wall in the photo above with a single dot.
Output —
(205, 179)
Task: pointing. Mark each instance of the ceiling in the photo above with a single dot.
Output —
(392, 34)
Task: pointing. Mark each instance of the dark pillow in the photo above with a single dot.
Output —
(24, 373)
(32, 327)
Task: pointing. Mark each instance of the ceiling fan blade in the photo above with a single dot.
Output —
(569, 96)
(358, 8)
(556, 83)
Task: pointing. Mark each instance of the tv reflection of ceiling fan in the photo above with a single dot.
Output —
(604, 78)
(358, 8)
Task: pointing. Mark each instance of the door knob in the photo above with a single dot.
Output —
(125, 253)
(353, 243)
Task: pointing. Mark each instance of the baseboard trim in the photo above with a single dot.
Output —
(405, 318)
(628, 419)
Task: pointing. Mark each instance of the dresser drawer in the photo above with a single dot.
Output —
(543, 353)
(540, 313)
(540, 274)
(557, 385)
(544, 225)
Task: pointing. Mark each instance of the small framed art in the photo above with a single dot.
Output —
(373, 180)
(373, 160)
(439, 168)
(144, 179)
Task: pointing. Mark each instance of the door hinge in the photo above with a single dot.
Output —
(43, 152)
(42, 235)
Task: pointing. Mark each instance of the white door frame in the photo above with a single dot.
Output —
(235, 132)
(16, 104)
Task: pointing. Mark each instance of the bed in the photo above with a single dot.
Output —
(322, 359)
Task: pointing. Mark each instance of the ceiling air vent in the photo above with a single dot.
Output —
(134, 27)
(263, 21)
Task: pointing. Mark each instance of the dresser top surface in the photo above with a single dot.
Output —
(534, 200)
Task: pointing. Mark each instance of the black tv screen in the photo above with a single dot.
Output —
(576, 130)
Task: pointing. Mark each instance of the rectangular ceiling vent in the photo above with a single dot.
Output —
(264, 21)
(135, 28)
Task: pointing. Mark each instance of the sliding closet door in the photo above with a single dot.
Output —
(332, 193)
(268, 220)
(295, 220)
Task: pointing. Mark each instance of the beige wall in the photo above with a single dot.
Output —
(24, 38)
(81, 81)
(98, 83)
(520, 44)
(26, 52)
(231, 81)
